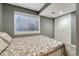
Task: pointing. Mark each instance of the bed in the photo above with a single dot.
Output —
(33, 46)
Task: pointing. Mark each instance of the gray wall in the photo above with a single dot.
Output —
(77, 30)
(46, 24)
(8, 17)
(0, 17)
(73, 28)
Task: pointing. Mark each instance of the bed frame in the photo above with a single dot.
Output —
(56, 52)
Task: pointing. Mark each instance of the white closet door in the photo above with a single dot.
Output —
(63, 29)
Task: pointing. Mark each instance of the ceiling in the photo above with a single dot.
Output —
(32, 6)
(52, 11)
(58, 9)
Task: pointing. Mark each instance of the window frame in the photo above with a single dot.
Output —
(26, 32)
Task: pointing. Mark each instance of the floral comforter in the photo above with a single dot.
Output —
(31, 46)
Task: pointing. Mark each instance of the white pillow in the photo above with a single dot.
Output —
(3, 45)
(5, 37)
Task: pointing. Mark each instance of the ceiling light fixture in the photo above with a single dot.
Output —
(53, 12)
(60, 12)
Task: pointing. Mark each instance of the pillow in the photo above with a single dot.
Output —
(3, 45)
(5, 37)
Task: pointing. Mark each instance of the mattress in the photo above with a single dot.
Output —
(31, 46)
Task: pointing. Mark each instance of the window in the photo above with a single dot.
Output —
(25, 23)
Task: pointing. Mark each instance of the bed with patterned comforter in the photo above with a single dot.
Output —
(31, 46)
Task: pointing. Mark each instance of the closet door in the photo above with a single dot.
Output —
(63, 29)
